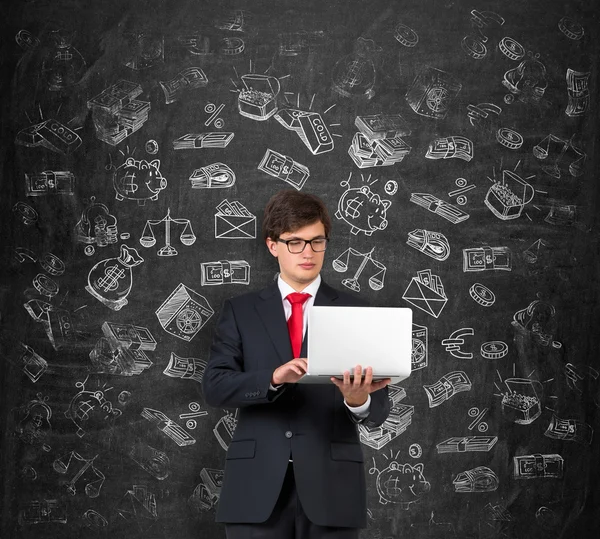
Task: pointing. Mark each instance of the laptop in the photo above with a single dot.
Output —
(339, 338)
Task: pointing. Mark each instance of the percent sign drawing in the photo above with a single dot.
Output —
(214, 111)
(478, 419)
(461, 199)
(196, 412)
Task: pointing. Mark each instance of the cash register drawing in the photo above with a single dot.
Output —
(110, 280)
(352, 258)
(186, 236)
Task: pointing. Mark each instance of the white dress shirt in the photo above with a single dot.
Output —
(360, 412)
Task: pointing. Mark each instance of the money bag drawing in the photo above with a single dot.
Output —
(110, 280)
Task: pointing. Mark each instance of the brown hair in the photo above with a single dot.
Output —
(287, 211)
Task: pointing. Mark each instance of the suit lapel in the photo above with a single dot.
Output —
(270, 309)
(326, 295)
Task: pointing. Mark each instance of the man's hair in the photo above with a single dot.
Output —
(288, 211)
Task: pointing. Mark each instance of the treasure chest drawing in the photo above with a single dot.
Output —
(258, 100)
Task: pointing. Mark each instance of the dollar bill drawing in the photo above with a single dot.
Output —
(537, 465)
(487, 258)
(447, 386)
(569, 429)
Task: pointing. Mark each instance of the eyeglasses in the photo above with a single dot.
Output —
(295, 246)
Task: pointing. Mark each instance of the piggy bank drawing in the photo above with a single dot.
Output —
(402, 484)
(138, 180)
(363, 210)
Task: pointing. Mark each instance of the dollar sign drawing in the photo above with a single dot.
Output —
(353, 208)
(354, 73)
(110, 281)
(129, 183)
(392, 488)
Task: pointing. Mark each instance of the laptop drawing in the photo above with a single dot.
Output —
(339, 338)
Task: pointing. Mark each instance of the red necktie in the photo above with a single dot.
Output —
(296, 320)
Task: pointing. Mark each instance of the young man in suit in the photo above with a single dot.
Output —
(294, 468)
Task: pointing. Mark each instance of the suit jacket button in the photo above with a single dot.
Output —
(288, 434)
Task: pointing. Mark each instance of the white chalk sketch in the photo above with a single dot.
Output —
(511, 48)
(527, 81)
(570, 429)
(224, 272)
(106, 358)
(440, 207)
(117, 113)
(184, 313)
(461, 444)
(506, 199)
(233, 221)
(151, 147)
(509, 138)
(26, 40)
(187, 79)
(145, 49)
(284, 168)
(151, 460)
(138, 180)
(45, 285)
(415, 451)
(450, 147)
(50, 182)
(43, 512)
(454, 343)
(128, 336)
(56, 322)
(187, 368)
(25, 213)
(584, 379)
(447, 386)
(78, 468)
(426, 292)
(62, 65)
(397, 422)
(300, 42)
(535, 251)
(484, 116)
(482, 294)
(49, 134)
(561, 214)
(406, 35)
(538, 466)
(138, 506)
(96, 225)
(213, 111)
(352, 258)
(477, 416)
(498, 512)
(363, 210)
(234, 20)
(563, 156)
(23, 255)
(538, 321)
(110, 280)
(213, 176)
(168, 427)
(225, 428)
(486, 258)
(94, 520)
(52, 264)
(433, 244)
(402, 484)
(378, 152)
(198, 141)
(91, 409)
(207, 493)
(463, 187)
(479, 479)
(190, 417)
(570, 28)
(493, 350)
(34, 427)
(354, 75)
(419, 354)
(432, 93)
(309, 126)
(34, 365)
(391, 187)
(258, 99)
(186, 235)
(521, 403)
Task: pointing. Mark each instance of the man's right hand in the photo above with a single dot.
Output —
(290, 372)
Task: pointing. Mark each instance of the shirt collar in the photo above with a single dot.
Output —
(285, 289)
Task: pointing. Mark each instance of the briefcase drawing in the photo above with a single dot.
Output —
(425, 298)
(235, 227)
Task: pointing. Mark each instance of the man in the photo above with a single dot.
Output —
(294, 468)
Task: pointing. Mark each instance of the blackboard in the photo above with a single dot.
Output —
(455, 145)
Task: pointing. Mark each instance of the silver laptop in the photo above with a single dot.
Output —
(339, 338)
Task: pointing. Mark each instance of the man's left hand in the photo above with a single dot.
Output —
(356, 390)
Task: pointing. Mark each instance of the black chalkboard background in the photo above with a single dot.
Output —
(78, 457)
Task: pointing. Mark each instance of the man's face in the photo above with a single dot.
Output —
(299, 270)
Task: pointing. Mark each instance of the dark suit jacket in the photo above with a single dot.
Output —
(308, 423)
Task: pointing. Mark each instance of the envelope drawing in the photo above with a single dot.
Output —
(424, 298)
(235, 227)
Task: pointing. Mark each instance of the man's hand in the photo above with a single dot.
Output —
(356, 391)
(289, 372)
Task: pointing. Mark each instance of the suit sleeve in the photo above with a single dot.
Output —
(378, 411)
(225, 383)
